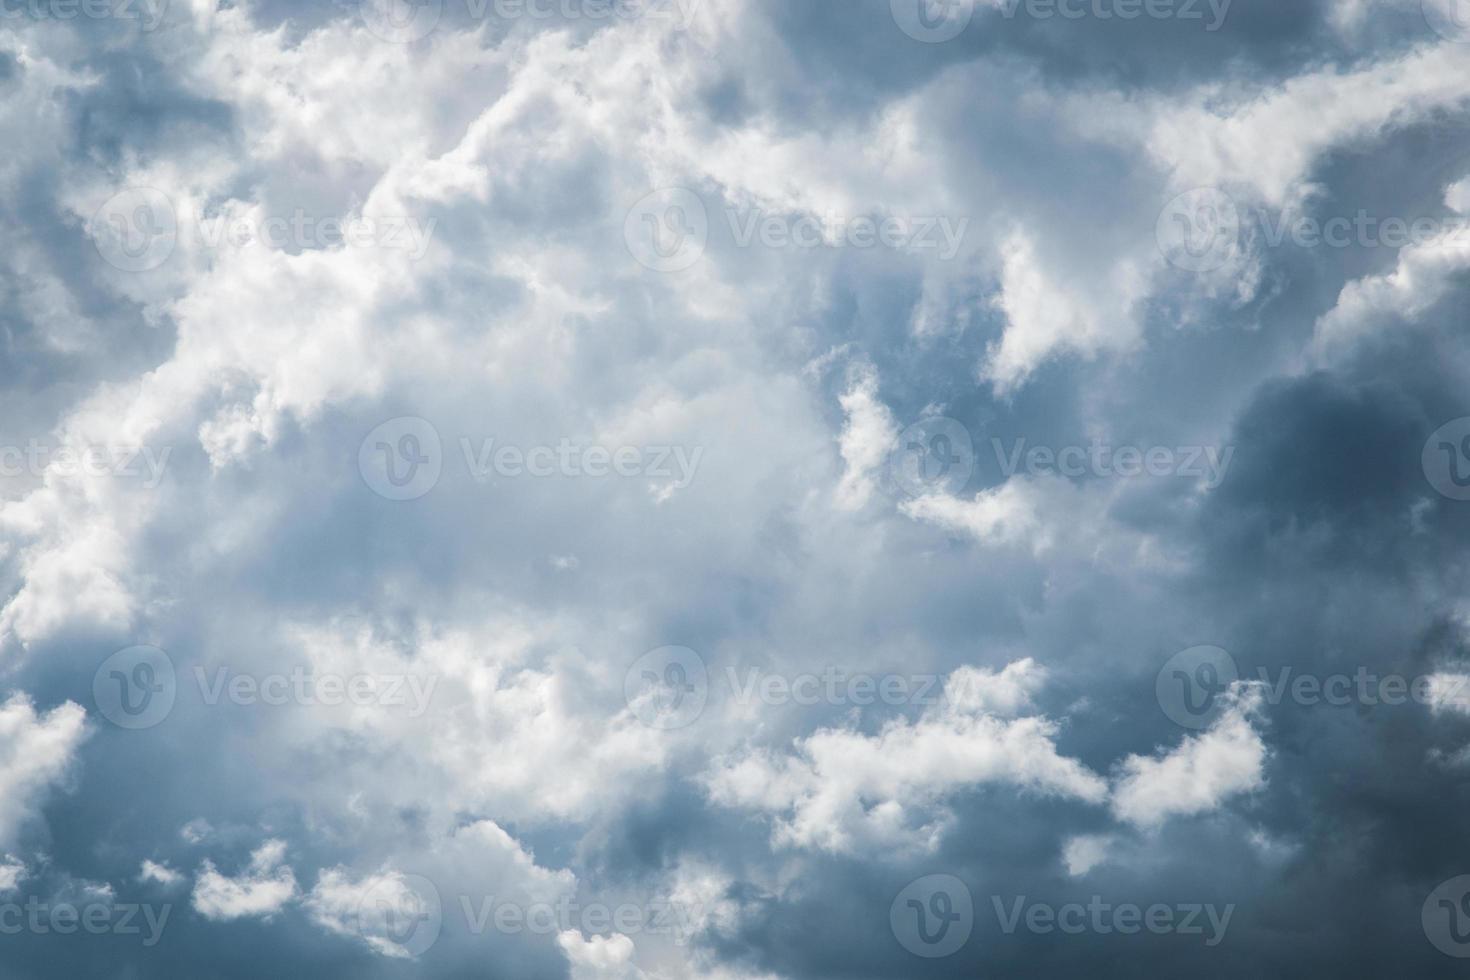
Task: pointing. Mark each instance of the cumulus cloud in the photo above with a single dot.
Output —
(845, 792)
(1202, 772)
(263, 889)
(522, 312)
(37, 749)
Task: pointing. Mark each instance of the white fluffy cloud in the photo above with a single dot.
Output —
(36, 751)
(1199, 774)
(262, 890)
(845, 792)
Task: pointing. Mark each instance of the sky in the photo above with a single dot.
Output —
(734, 489)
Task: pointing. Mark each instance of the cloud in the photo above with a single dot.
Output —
(845, 792)
(1201, 773)
(36, 752)
(161, 874)
(265, 888)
